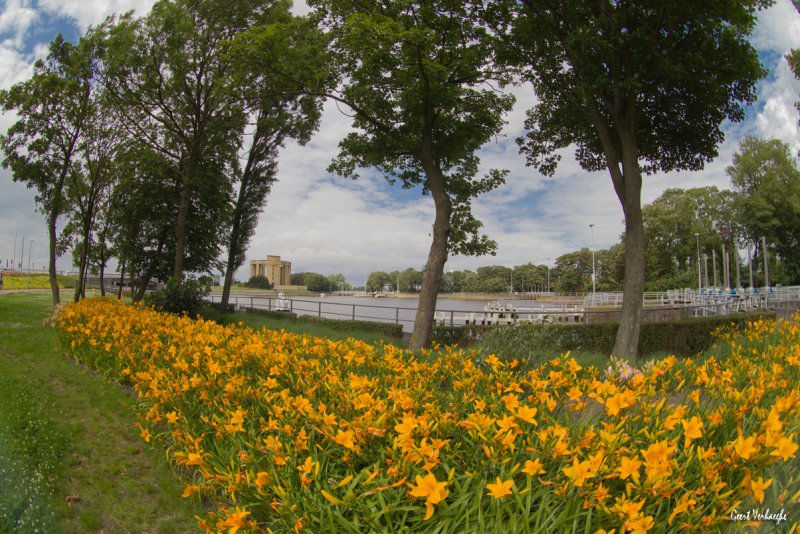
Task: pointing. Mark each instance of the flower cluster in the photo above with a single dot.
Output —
(292, 432)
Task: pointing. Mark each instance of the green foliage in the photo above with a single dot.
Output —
(281, 112)
(494, 279)
(259, 282)
(388, 330)
(536, 343)
(707, 70)
(179, 297)
(377, 280)
(416, 78)
(459, 335)
(31, 449)
(766, 176)
(67, 433)
(313, 281)
(530, 277)
(684, 279)
(410, 280)
(146, 63)
(413, 77)
(41, 147)
(337, 282)
(140, 212)
(671, 222)
(35, 281)
(601, 89)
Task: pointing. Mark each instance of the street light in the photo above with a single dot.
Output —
(14, 256)
(594, 271)
(30, 243)
(548, 275)
(699, 276)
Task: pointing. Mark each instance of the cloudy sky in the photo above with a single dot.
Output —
(329, 224)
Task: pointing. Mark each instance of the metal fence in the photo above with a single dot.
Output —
(507, 314)
(330, 310)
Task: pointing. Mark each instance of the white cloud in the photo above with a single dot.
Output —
(331, 224)
(90, 12)
(778, 28)
(300, 7)
(16, 18)
(14, 67)
(779, 116)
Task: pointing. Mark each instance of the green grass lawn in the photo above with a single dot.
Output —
(71, 458)
(298, 326)
(35, 281)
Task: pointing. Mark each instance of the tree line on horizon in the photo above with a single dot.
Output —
(682, 227)
(156, 138)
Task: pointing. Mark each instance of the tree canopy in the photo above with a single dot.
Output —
(766, 176)
(415, 77)
(41, 147)
(635, 87)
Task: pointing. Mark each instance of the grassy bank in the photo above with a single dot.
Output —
(294, 433)
(299, 326)
(71, 458)
(36, 281)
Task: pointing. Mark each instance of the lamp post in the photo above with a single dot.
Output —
(548, 275)
(14, 256)
(594, 271)
(699, 276)
(30, 243)
(766, 262)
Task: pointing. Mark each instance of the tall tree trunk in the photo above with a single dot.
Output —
(180, 233)
(629, 193)
(235, 244)
(80, 287)
(51, 229)
(148, 275)
(143, 283)
(121, 281)
(183, 216)
(85, 279)
(102, 284)
(437, 256)
(626, 175)
(226, 286)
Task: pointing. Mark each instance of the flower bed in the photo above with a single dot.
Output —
(291, 432)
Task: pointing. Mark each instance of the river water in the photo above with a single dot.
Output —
(390, 310)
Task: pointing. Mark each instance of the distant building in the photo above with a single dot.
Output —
(279, 273)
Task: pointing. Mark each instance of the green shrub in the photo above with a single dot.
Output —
(259, 282)
(534, 343)
(389, 330)
(459, 335)
(179, 297)
(342, 325)
(273, 314)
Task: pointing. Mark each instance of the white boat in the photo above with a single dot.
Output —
(283, 304)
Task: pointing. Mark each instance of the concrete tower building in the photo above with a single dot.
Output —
(279, 273)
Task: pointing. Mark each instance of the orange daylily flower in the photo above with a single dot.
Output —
(500, 489)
